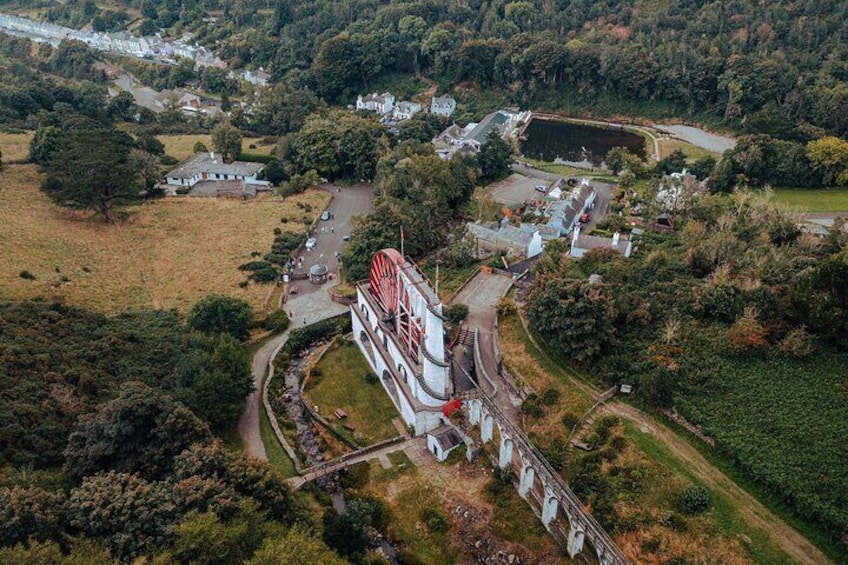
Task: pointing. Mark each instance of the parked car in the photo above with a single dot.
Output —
(346, 237)
(325, 215)
(584, 219)
(310, 243)
(541, 188)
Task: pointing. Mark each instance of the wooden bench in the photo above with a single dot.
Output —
(339, 414)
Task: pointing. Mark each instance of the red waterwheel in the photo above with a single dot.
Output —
(383, 279)
(408, 327)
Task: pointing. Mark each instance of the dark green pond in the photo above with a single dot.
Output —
(577, 143)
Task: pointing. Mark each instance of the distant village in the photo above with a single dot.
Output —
(125, 43)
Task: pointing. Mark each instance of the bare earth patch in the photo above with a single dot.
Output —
(166, 253)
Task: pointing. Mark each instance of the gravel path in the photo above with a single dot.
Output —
(700, 138)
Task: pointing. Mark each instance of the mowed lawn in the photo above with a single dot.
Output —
(167, 253)
(342, 385)
(182, 146)
(821, 201)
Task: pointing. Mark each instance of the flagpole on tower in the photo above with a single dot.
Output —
(401, 243)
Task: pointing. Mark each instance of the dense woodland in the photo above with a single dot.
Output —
(755, 66)
(108, 448)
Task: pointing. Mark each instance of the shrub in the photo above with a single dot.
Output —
(532, 407)
(569, 420)
(221, 314)
(550, 396)
(276, 321)
(26, 275)
(455, 313)
(315, 372)
(506, 307)
(370, 377)
(406, 557)
(168, 161)
(797, 343)
(278, 231)
(434, 520)
(693, 499)
(183, 190)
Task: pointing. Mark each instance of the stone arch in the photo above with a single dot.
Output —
(390, 386)
(365, 311)
(402, 372)
(526, 478)
(366, 344)
(505, 451)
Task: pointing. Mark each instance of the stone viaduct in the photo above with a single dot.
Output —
(561, 512)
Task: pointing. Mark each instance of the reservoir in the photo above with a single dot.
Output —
(577, 143)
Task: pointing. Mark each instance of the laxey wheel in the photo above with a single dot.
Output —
(383, 279)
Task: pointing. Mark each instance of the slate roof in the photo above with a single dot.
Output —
(446, 437)
(493, 120)
(205, 163)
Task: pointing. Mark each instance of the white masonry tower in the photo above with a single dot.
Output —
(398, 325)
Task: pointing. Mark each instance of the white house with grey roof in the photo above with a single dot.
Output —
(514, 241)
(442, 105)
(581, 244)
(211, 167)
(405, 110)
(472, 137)
(379, 103)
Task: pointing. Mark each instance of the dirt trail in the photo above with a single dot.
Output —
(754, 513)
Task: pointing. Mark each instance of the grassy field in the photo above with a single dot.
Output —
(667, 474)
(532, 366)
(182, 146)
(693, 152)
(342, 385)
(805, 200)
(165, 254)
(14, 146)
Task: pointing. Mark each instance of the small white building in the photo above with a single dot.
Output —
(580, 244)
(210, 167)
(516, 242)
(405, 110)
(443, 440)
(442, 105)
(379, 103)
(257, 78)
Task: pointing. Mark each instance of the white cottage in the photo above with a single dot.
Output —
(211, 167)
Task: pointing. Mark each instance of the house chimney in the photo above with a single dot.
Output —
(212, 156)
(575, 233)
(615, 237)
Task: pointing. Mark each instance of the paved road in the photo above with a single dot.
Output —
(602, 200)
(311, 304)
(482, 295)
(144, 96)
(348, 201)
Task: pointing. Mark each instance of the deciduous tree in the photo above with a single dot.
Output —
(226, 140)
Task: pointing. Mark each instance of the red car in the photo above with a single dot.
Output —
(584, 219)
